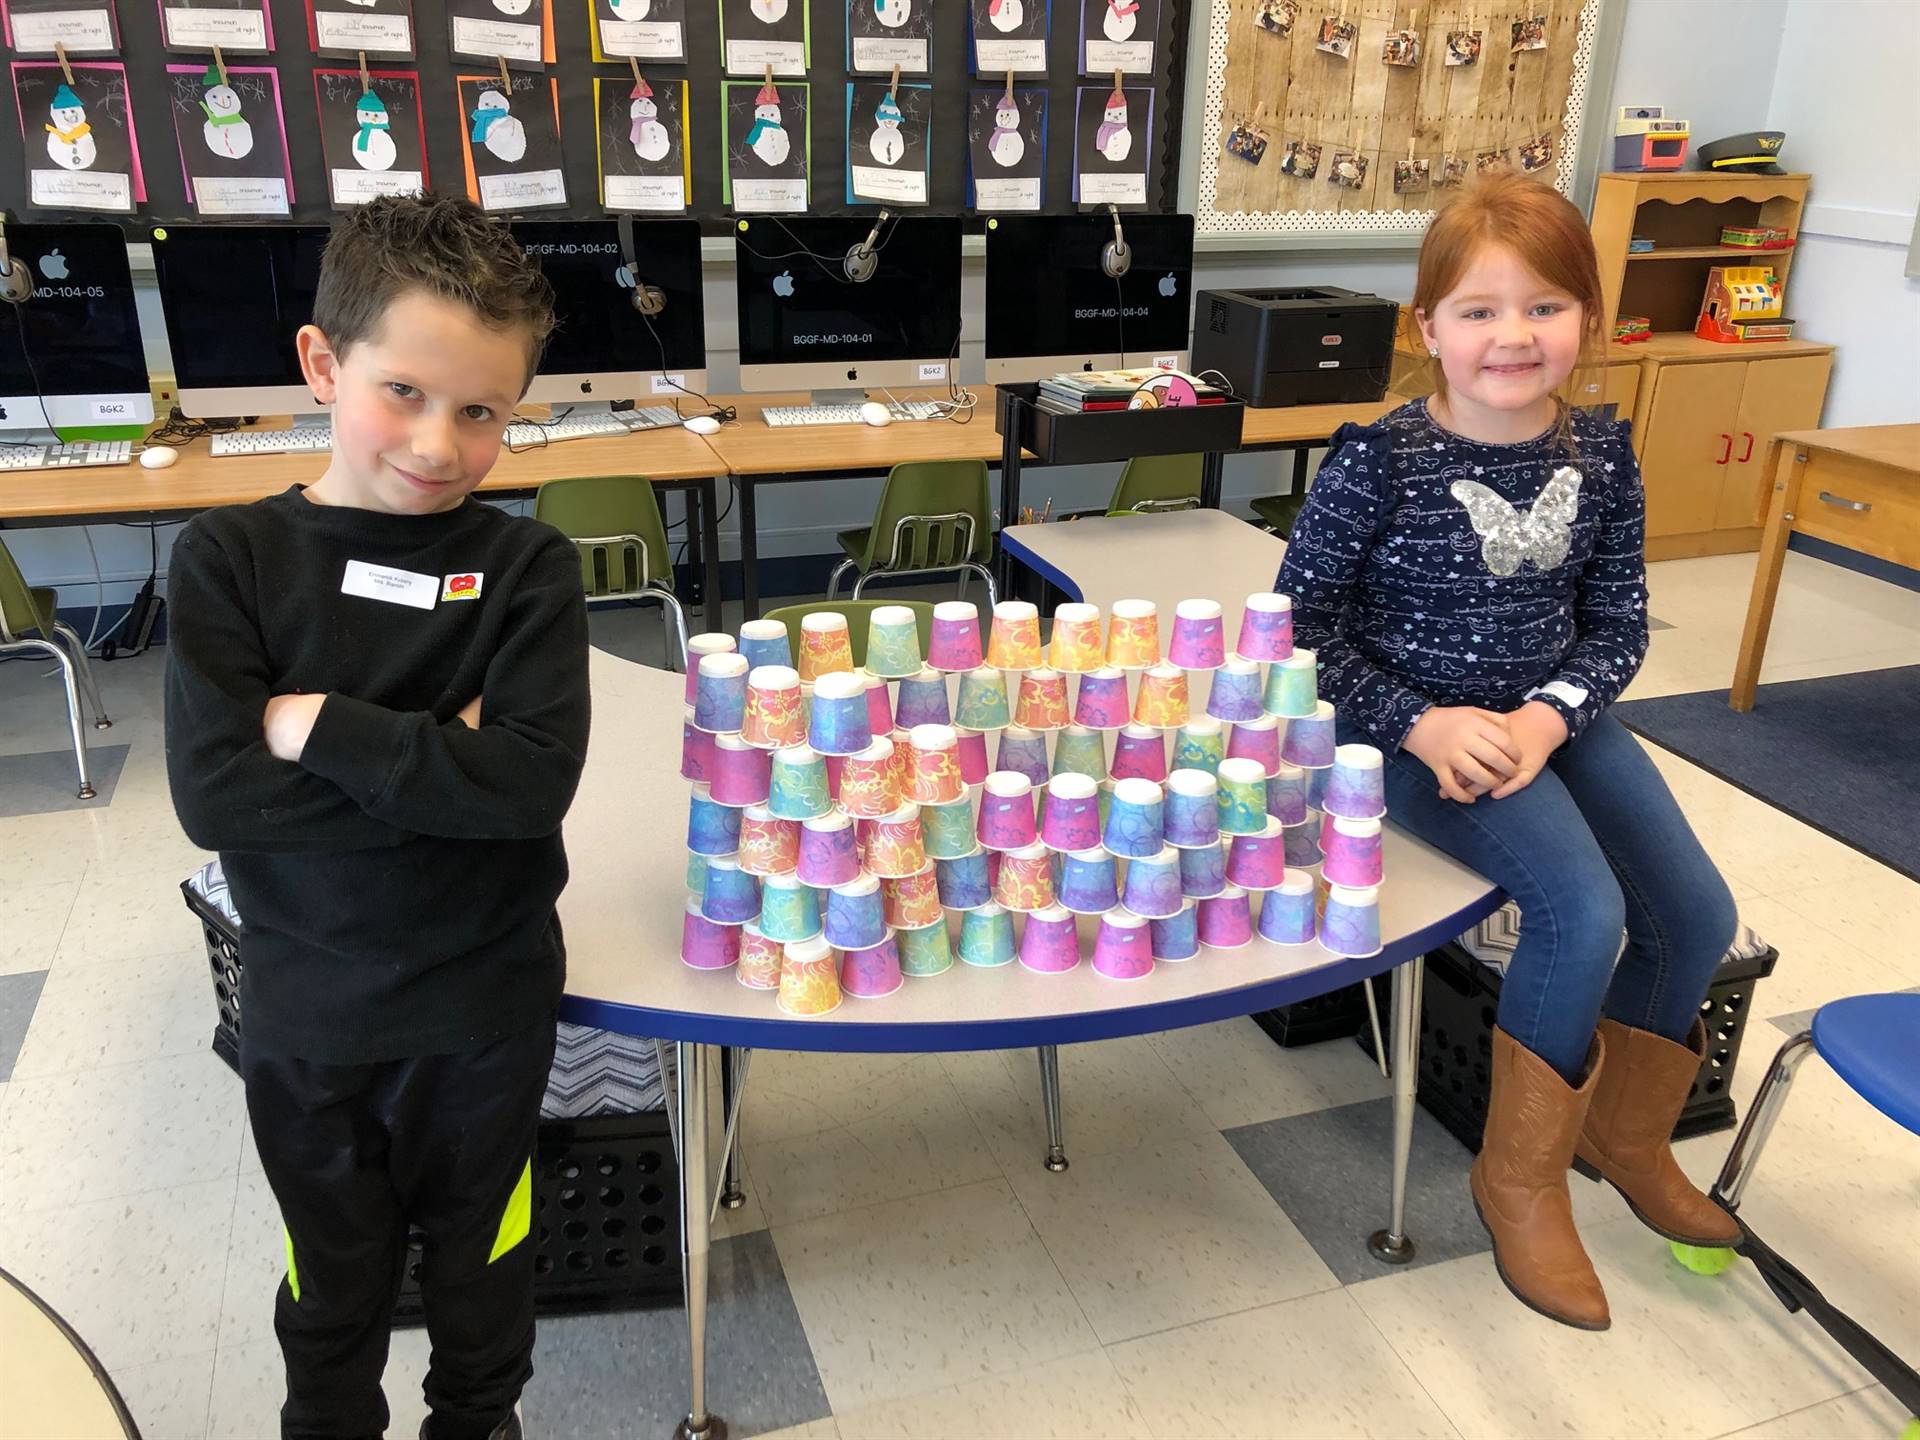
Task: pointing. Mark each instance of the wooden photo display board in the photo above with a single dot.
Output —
(1298, 137)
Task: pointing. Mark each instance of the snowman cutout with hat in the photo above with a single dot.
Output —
(892, 13)
(495, 127)
(1118, 22)
(887, 145)
(1113, 140)
(226, 131)
(1006, 16)
(1005, 145)
(69, 136)
(768, 137)
(373, 142)
(647, 135)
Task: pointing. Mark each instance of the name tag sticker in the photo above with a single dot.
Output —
(396, 587)
(463, 586)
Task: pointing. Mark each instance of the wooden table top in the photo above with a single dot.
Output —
(750, 446)
(1897, 446)
(1284, 424)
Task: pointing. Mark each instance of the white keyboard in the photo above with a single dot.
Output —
(648, 417)
(592, 426)
(301, 440)
(60, 457)
(845, 414)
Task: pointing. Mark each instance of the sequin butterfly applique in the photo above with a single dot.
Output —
(1543, 534)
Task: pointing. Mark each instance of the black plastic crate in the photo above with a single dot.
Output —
(1103, 435)
(1334, 1016)
(223, 960)
(1460, 1003)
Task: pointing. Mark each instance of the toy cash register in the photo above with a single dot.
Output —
(1742, 304)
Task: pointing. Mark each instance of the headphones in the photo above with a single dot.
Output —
(649, 300)
(1116, 256)
(862, 259)
(16, 281)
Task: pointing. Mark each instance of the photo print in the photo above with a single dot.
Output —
(1010, 35)
(1487, 162)
(1007, 149)
(1276, 17)
(888, 143)
(379, 29)
(1401, 47)
(1247, 142)
(1337, 36)
(510, 137)
(232, 136)
(1530, 34)
(642, 144)
(1112, 140)
(640, 29)
(1300, 159)
(1537, 153)
(518, 31)
(884, 33)
(757, 33)
(1453, 173)
(769, 147)
(84, 27)
(1118, 35)
(1410, 177)
(1348, 169)
(233, 25)
(1463, 47)
(371, 134)
(80, 146)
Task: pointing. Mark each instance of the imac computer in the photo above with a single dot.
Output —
(839, 304)
(1055, 305)
(70, 353)
(234, 296)
(620, 334)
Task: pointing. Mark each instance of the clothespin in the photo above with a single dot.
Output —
(506, 80)
(220, 64)
(60, 54)
(634, 61)
(768, 74)
(366, 80)
(1009, 87)
(893, 83)
(1118, 80)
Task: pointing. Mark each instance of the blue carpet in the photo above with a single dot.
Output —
(1836, 753)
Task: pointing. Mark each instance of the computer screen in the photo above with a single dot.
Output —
(1052, 307)
(602, 347)
(234, 297)
(76, 340)
(805, 324)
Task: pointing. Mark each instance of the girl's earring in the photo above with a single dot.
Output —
(1433, 352)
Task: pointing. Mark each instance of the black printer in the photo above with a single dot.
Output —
(1309, 345)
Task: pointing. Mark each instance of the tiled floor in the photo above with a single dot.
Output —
(904, 1266)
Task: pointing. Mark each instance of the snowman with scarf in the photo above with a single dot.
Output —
(1006, 146)
(373, 143)
(1118, 22)
(69, 136)
(647, 134)
(768, 137)
(886, 143)
(227, 132)
(1113, 140)
(495, 127)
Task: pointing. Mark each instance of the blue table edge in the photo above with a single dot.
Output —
(785, 1032)
(1055, 577)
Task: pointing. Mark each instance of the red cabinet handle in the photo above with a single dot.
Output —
(1749, 451)
(1726, 453)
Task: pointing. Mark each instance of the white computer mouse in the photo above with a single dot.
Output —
(158, 457)
(874, 413)
(701, 424)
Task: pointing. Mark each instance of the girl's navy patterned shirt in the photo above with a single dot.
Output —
(1404, 579)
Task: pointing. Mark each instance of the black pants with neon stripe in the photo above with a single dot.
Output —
(356, 1153)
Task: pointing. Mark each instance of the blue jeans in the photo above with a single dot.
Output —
(1596, 843)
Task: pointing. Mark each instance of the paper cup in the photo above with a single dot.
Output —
(741, 774)
(1243, 797)
(732, 897)
(1152, 887)
(1050, 942)
(720, 693)
(1199, 636)
(1236, 691)
(902, 760)
(711, 642)
(1203, 872)
(829, 851)
(983, 703)
(1123, 947)
(879, 703)
(1258, 862)
(1293, 686)
(1177, 936)
(1133, 635)
(1041, 701)
(797, 787)
(1287, 912)
(1356, 787)
(935, 778)
(947, 830)
(1006, 820)
(765, 642)
(1025, 881)
(894, 846)
(986, 937)
(1136, 819)
(1353, 852)
(759, 964)
(696, 750)
(1162, 699)
(867, 782)
(1024, 752)
(1089, 882)
(911, 901)
(696, 875)
(1080, 751)
(772, 718)
(893, 642)
(1076, 646)
(1309, 739)
(1287, 795)
(1266, 628)
(974, 765)
(809, 979)
(789, 910)
(1226, 920)
(1070, 814)
(768, 845)
(856, 914)
(925, 952)
(826, 647)
(712, 829)
(955, 641)
(1351, 924)
(1013, 641)
(1319, 778)
(1102, 703)
(1199, 745)
(1193, 809)
(963, 882)
(1257, 740)
(1303, 842)
(1139, 753)
(922, 701)
(841, 723)
(707, 944)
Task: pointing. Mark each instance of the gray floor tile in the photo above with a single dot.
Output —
(43, 781)
(1794, 1021)
(1332, 1172)
(19, 996)
(605, 1375)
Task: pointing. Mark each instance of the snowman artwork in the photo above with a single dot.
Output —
(495, 127)
(891, 13)
(1113, 140)
(373, 144)
(513, 7)
(69, 136)
(647, 134)
(1006, 16)
(886, 143)
(227, 132)
(1005, 144)
(630, 9)
(1118, 21)
(768, 137)
(768, 12)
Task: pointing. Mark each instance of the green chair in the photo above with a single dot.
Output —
(934, 516)
(1278, 512)
(857, 613)
(28, 626)
(1154, 483)
(614, 522)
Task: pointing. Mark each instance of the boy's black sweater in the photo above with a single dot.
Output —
(397, 884)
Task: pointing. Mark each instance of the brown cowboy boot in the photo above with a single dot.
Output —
(1627, 1137)
(1519, 1183)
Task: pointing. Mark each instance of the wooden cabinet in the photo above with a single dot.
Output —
(1689, 437)
(1783, 394)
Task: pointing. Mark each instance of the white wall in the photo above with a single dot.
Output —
(1710, 62)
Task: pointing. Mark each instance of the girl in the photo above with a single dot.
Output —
(1471, 571)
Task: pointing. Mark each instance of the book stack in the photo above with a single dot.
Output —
(1082, 391)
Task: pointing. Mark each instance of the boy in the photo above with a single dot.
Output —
(376, 711)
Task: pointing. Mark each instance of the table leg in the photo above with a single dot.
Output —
(749, 551)
(732, 1197)
(690, 1097)
(710, 544)
(1393, 1245)
(1785, 472)
(1056, 1160)
(1300, 454)
(1213, 478)
(1009, 496)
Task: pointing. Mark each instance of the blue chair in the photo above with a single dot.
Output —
(1873, 1043)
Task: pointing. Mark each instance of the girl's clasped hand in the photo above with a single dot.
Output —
(1474, 752)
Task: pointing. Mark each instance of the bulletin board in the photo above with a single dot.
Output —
(1519, 102)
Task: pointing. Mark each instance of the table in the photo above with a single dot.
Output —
(54, 1384)
(1858, 488)
(1164, 558)
(622, 914)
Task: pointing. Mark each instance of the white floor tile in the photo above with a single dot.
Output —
(1816, 965)
(119, 1012)
(1869, 1412)
(249, 1386)
(1067, 1399)
(825, 1428)
(1172, 1231)
(1877, 913)
(791, 1094)
(911, 1296)
(122, 913)
(168, 1398)
(1239, 1076)
(32, 917)
(257, 1258)
(1314, 1366)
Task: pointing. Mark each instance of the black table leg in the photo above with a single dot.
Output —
(1213, 474)
(1009, 496)
(1300, 453)
(749, 552)
(690, 492)
(710, 545)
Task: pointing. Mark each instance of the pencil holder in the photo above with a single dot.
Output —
(773, 719)
(797, 786)
(947, 830)
(1356, 785)
(1199, 745)
(1162, 698)
(893, 642)
(696, 750)
(1351, 924)
(1152, 887)
(1226, 920)
(1199, 636)
(879, 702)
(1070, 813)
(707, 944)
(1025, 881)
(1293, 686)
(1176, 937)
(1139, 753)
(1287, 912)
(1235, 695)
(1319, 781)
(1133, 634)
(732, 896)
(911, 901)
(867, 782)
(1258, 862)
(1041, 701)
(1013, 640)
(1303, 842)
(765, 642)
(1006, 812)
(759, 965)
(1203, 872)
(1123, 947)
(954, 643)
(1243, 797)
(1287, 794)
(935, 778)
(712, 829)
(986, 937)
(925, 952)
(720, 693)
(711, 642)
(1024, 752)
(1193, 809)
(789, 910)
(1080, 751)
(840, 724)
(809, 979)
(1101, 702)
(856, 915)
(1136, 819)
(1050, 941)
(826, 648)
(1076, 646)
(741, 774)
(1257, 740)
(1353, 852)
(1266, 628)
(1089, 882)
(983, 703)
(1309, 739)
(963, 882)
(768, 845)
(829, 851)
(922, 700)
(894, 846)
(974, 766)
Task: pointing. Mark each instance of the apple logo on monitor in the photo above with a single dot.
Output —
(1168, 284)
(783, 284)
(53, 265)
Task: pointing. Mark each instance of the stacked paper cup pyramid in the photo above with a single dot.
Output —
(838, 814)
